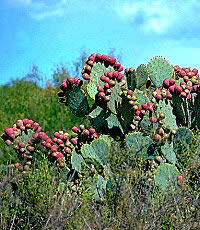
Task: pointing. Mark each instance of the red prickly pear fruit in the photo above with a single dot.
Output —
(59, 155)
(177, 68)
(110, 75)
(137, 112)
(183, 94)
(98, 57)
(70, 80)
(188, 96)
(139, 108)
(186, 78)
(120, 77)
(86, 132)
(126, 70)
(49, 140)
(172, 88)
(106, 85)
(131, 102)
(178, 89)
(158, 91)
(30, 148)
(108, 91)
(145, 106)
(17, 165)
(161, 131)
(75, 129)
(173, 131)
(22, 150)
(182, 83)
(158, 137)
(88, 68)
(168, 95)
(102, 94)
(180, 178)
(112, 60)
(92, 58)
(82, 127)
(95, 135)
(183, 73)
(137, 118)
(9, 131)
(172, 81)
(74, 141)
(25, 121)
(135, 107)
(21, 145)
(120, 68)
(166, 83)
(8, 142)
(143, 111)
(107, 98)
(61, 165)
(117, 65)
(86, 76)
(68, 150)
(57, 134)
(92, 130)
(190, 74)
(90, 62)
(158, 97)
(195, 87)
(107, 79)
(103, 78)
(150, 108)
(59, 159)
(60, 141)
(48, 145)
(195, 71)
(115, 74)
(153, 120)
(16, 147)
(100, 88)
(150, 103)
(112, 83)
(161, 116)
(187, 90)
(130, 92)
(76, 80)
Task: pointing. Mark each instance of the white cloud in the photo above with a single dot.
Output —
(159, 16)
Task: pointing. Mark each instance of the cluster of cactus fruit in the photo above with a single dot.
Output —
(150, 108)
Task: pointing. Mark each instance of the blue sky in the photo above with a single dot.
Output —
(47, 32)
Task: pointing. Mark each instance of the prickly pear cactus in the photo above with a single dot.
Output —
(159, 69)
(166, 176)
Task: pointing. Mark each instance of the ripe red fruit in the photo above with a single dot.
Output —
(70, 80)
(166, 83)
(158, 96)
(178, 89)
(61, 165)
(183, 94)
(74, 141)
(30, 148)
(158, 137)
(98, 57)
(172, 81)
(127, 70)
(190, 74)
(172, 88)
(189, 96)
(76, 80)
(92, 130)
(120, 68)
(86, 132)
(75, 129)
(153, 120)
(68, 150)
(8, 142)
(110, 75)
(86, 76)
(102, 94)
(137, 112)
(183, 73)
(115, 74)
(9, 131)
(137, 118)
(120, 77)
(130, 92)
(117, 65)
(180, 178)
(168, 95)
(88, 68)
(145, 106)
(95, 135)
(161, 131)
(112, 83)
(195, 71)
(112, 60)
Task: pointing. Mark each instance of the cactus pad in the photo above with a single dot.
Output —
(159, 69)
(142, 75)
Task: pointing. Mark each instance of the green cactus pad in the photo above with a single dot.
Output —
(145, 126)
(159, 69)
(141, 97)
(195, 117)
(132, 80)
(115, 98)
(126, 114)
(114, 122)
(98, 70)
(166, 176)
(138, 144)
(98, 187)
(77, 101)
(142, 75)
(168, 152)
(182, 140)
(170, 120)
(178, 110)
(76, 161)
